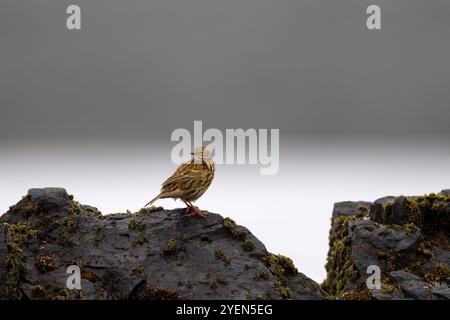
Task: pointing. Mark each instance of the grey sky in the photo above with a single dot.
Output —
(141, 68)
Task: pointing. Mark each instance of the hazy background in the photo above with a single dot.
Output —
(362, 114)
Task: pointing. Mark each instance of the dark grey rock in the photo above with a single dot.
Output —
(150, 254)
(384, 200)
(377, 211)
(399, 211)
(442, 292)
(347, 208)
(379, 295)
(403, 276)
(412, 285)
(370, 238)
(446, 192)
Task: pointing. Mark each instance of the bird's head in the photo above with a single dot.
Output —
(201, 154)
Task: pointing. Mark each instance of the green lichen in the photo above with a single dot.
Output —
(143, 239)
(231, 227)
(149, 210)
(93, 212)
(280, 265)
(140, 271)
(357, 295)
(262, 275)
(282, 268)
(389, 288)
(16, 260)
(362, 210)
(410, 228)
(50, 291)
(137, 226)
(229, 223)
(437, 275)
(146, 292)
(285, 292)
(221, 279)
(70, 223)
(45, 263)
(170, 247)
(339, 266)
(220, 255)
(431, 213)
(248, 245)
(390, 260)
(30, 209)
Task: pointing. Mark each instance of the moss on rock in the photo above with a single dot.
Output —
(340, 268)
(45, 263)
(220, 255)
(248, 245)
(170, 247)
(281, 267)
(437, 275)
(146, 292)
(231, 227)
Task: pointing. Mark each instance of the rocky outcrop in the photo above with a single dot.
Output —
(406, 237)
(159, 254)
(150, 254)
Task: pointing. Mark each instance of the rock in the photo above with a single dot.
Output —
(442, 292)
(384, 200)
(151, 254)
(350, 208)
(406, 237)
(371, 240)
(3, 252)
(412, 285)
(446, 192)
(397, 211)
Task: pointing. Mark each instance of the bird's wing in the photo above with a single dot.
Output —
(184, 173)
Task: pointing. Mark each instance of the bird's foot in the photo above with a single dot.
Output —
(195, 212)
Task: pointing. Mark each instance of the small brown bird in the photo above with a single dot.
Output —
(190, 181)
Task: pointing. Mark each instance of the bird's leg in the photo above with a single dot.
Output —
(191, 205)
(188, 206)
(197, 211)
(194, 209)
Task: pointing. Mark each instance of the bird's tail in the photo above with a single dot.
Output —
(152, 201)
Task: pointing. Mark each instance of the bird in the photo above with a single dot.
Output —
(190, 181)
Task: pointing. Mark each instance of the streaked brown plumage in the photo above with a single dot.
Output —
(190, 181)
